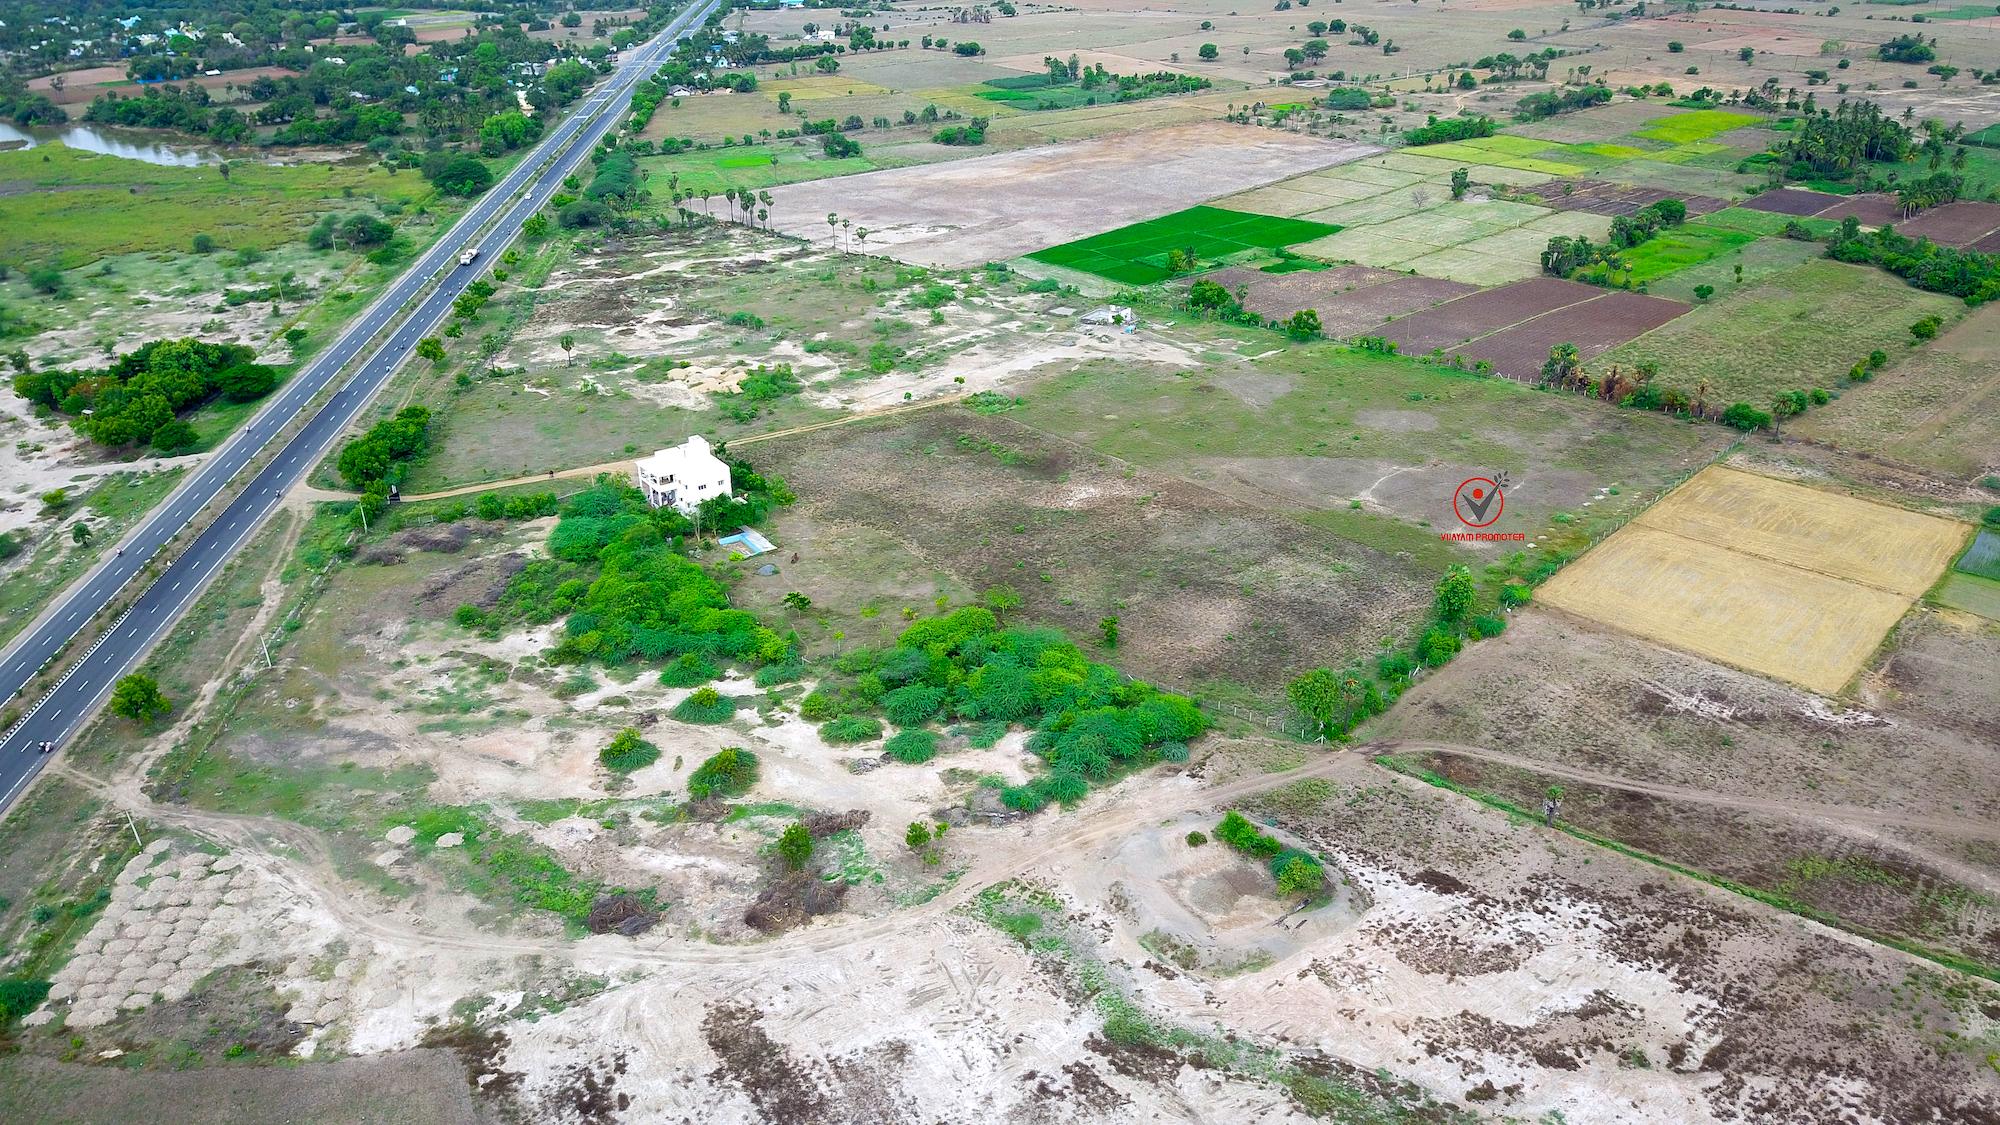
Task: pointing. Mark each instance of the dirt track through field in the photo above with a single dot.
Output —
(1041, 840)
(622, 465)
(1841, 818)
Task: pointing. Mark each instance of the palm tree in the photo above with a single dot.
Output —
(833, 224)
(568, 343)
(81, 533)
(706, 194)
(862, 234)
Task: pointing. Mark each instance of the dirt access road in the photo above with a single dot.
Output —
(1041, 840)
(621, 466)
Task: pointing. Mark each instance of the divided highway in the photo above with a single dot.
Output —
(491, 224)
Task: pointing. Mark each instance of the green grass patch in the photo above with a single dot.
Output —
(1677, 248)
(1614, 151)
(1964, 12)
(1051, 97)
(1695, 125)
(714, 171)
(1970, 593)
(913, 747)
(1982, 557)
(1135, 255)
(79, 206)
(729, 772)
(1763, 223)
(1798, 328)
(850, 729)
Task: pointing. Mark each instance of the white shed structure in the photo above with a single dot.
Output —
(683, 476)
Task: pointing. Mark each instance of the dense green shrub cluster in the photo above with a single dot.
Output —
(1548, 104)
(617, 175)
(493, 506)
(645, 599)
(915, 746)
(689, 669)
(727, 773)
(1332, 703)
(849, 729)
(1236, 830)
(706, 706)
(386, 450)
(1090, 721)
(142, 391)
(1966, 274)
(772, 675)
(1439, 130)
(627, 752)
(1296, 872)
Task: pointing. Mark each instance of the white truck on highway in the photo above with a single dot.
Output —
(466, 259)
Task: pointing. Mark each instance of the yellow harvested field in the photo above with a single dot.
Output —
(1775, 578)
(1839, 536)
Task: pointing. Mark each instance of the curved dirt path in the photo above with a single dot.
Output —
(623, 465)
(1849, 819)
(314, 876)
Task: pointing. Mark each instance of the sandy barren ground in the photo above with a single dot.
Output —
(1496, 966)
(992, 208)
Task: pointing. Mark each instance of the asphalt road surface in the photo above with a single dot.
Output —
(88, 683)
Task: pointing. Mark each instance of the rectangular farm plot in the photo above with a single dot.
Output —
(1970, 593)
(1738, 610)
(1695, 125)
(1137, 254)
(1761, 574)
(1278, 199)
(1602, 197)
(1842, 537)
(1983, 557)
(1871, 210)
(1363, 311)
(1469, 263)
(1467, 318)
(1792, 201)
(1677, 248)
(994, 207)
(1594, 326)
(1955, 224)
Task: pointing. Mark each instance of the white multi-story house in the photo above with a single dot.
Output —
(683, 476)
